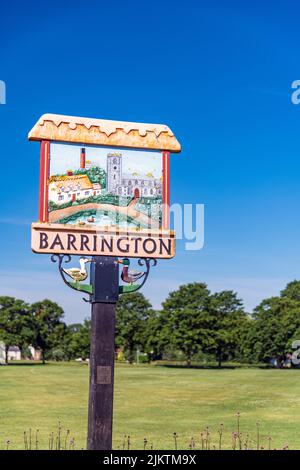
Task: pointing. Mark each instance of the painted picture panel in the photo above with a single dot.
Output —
(102, 186)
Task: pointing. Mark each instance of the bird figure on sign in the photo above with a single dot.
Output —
(129, 276)
(78, 274)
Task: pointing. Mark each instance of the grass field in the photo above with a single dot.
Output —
(152, 402)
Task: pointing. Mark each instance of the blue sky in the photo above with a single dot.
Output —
(218, 73)
(64, 157)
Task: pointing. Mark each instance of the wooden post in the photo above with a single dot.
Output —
(101, 377)
(104, 276)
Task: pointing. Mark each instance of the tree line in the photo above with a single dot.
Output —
(192, 325)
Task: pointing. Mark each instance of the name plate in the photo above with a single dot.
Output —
(91, 241)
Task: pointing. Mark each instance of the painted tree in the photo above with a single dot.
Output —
(132, 313)
(187, 318)
(15, 323)
(96, 174)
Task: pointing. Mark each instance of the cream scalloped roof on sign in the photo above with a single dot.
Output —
(104, 132)
(106, 126)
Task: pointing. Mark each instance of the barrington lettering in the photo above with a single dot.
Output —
(50, 241)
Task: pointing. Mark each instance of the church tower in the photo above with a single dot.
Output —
(114, 172)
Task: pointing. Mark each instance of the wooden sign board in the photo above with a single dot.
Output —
(90, 241)
(104, 188)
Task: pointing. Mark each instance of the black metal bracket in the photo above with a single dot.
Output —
(86, 288)
(104, 278)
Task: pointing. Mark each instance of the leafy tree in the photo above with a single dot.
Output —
(187, 318)
(276, 324)
(228, 319)
(15, 323)
(292, 291)
(77, 340)
(154, 338)
(132, 312)
(244, 346)
(49, 330)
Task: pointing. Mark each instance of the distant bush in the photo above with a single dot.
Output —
(57, 354)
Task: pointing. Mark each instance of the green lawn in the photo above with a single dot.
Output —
(152, 402)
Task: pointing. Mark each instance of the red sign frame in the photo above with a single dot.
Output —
(44, 183)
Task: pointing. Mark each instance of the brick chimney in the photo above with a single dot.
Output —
(82, 158)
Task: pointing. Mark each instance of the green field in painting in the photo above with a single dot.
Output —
(152, 402)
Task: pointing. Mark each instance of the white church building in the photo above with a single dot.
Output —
(133, 185)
